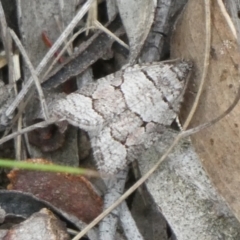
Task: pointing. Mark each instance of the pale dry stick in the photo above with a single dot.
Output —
(18, 149)
(92, 16)
(61, 9)
(61, 28)
(24, 104)
(3, 59)
(128, 224)
(7, 43)
(21, 108)
(101, 27)
(18, 140)
(48, 56)
(108, 226)
(115, 187)
(176, 140)
(33, 73)
(63, 50)
(30, 128)
(98, 25)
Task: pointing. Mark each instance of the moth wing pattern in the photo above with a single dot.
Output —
(110, 154)
(78, 111)
(118, 110)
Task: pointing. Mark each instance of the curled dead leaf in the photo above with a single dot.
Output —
(217, 146)
(73, 194)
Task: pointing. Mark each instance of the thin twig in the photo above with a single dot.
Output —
(18, 139)
(212, 122)
(33, 73)
(115, 187)
(104, 29)
(98, 25)
(48, 56)
(18, 142)
(7, 43)
(61, 27)
(88, 53)
(128, 224)
(30, 128)
(21, 108)
(176, 140)
(92, 15)
(63, 50)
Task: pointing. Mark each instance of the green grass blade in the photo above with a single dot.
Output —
(47, 167)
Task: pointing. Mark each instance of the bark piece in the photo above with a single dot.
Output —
(156, 46)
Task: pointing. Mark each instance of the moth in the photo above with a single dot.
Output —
(125, 112)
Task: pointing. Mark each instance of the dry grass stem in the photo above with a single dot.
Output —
(64, 49)
(49, 55)
(34, 75)
(30, 128)
(101, 27)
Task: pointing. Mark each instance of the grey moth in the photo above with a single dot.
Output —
(125, 112)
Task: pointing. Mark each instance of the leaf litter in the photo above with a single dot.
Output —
(143, 36)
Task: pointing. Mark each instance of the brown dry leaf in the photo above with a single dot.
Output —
(217, 146)
(73, 194)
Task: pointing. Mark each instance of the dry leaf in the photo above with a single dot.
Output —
(181, 188)
(73, 194)
(137, 17)
(41, 225)
(217, 146)
(42, 16)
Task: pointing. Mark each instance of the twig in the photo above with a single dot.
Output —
(18, 141)
(128, 224)
(96, 25)
(212, 122)
(108, 226)
(88, 53)
(33, 73)
(61, 27)
(101, 27)
(7, 43)
(153, 45)
(146, 176)
(63, 50)
(30, 128)
(115, 188)
(92, 15)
